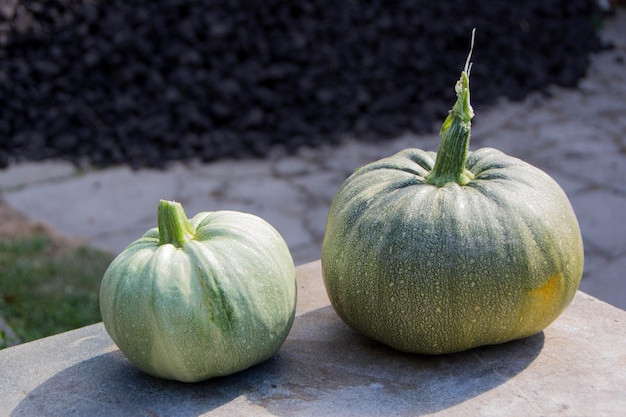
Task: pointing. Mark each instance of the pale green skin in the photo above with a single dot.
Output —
(223, 302)
(434, 270)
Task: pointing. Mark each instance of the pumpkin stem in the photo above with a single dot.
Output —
(174, 227)
(455, 135)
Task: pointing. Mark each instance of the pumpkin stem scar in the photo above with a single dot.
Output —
(173, 224)
(455, 135)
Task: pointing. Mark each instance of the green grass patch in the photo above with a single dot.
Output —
(45, 290)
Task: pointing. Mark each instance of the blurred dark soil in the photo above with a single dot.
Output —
(146, 82)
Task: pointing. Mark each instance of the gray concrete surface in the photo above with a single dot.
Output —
(573, 368)
(576, 135)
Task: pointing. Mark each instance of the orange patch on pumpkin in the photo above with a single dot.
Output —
(548, 291)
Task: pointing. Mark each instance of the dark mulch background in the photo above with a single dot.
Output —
(145, 82)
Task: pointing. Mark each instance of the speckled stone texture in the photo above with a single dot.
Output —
(573, 368)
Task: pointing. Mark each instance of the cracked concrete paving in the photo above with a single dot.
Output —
(578, 136)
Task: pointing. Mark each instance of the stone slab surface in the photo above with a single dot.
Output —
(576, 367)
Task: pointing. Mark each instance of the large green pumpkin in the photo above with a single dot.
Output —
(199, 298)
(441, 252)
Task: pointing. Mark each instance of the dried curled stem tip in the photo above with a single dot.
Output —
(468, 64)
(462, 108)
(455, 134)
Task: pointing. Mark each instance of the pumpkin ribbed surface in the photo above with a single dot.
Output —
(442, 252)
(442, 269)
(221, 302)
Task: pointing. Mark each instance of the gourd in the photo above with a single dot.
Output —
(436, 253)
(199, 298)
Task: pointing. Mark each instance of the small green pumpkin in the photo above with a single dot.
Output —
(441, 252)
(195, 299)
